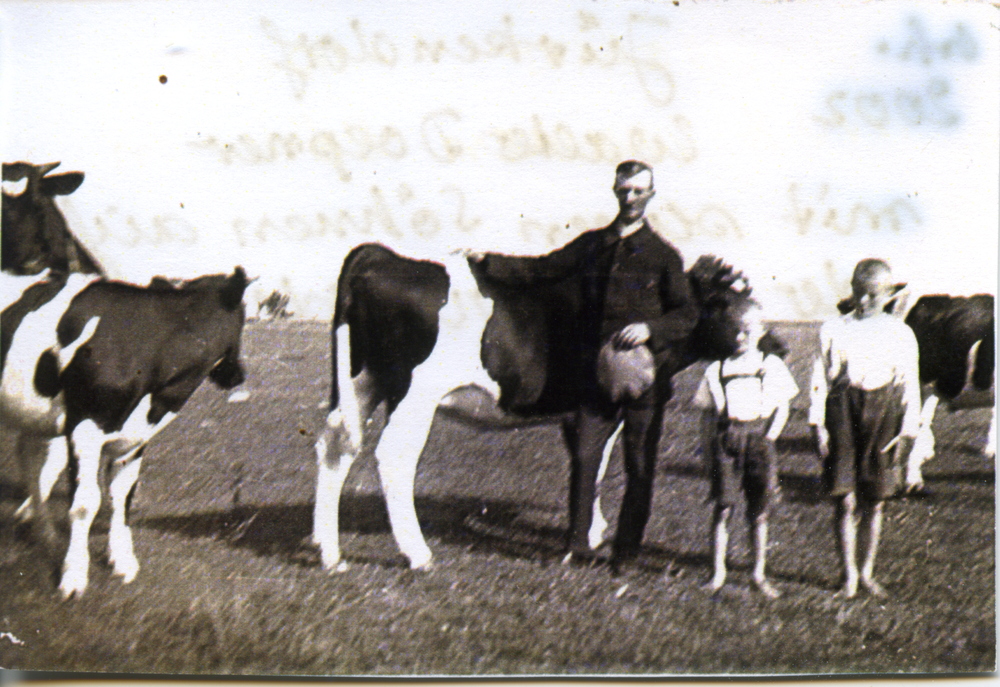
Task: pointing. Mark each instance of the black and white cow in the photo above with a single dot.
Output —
(408, 332)
(35, 237)
(103, 365)
(956, 339)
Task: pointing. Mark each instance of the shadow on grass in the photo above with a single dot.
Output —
(286, 531)
(479, 526)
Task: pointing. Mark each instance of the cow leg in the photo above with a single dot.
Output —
(593, 429)
(55, 461)
(30, 451)
(336, 449)
(128, 445)
(599, 525)
(923, 446)
(334, 457)
(120, 551)
(87, 440)
(398, 452)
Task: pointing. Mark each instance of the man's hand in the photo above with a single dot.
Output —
(821, 439)
(631, 336)
(473, 255)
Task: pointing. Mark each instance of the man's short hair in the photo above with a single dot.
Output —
(630, 168)
(870, 268)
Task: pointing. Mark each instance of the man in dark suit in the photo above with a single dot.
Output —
(633, 293)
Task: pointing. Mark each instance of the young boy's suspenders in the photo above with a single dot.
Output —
(725, 379)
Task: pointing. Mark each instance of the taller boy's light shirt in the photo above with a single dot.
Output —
(867, 354)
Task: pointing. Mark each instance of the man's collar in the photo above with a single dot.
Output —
(623, 230)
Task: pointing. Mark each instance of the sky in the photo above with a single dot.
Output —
(791, 139)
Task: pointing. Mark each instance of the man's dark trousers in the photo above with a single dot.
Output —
(586, 433)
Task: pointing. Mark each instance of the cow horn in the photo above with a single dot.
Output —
(47, 167)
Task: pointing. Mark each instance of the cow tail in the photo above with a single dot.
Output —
(344, 406)
(340, 343)
(52, 363)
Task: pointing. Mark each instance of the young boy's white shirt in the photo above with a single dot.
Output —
(871, 353)
(746, 398)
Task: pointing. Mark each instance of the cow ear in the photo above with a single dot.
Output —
(61, 184)
(232, 292)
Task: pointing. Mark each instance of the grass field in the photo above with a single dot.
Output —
(230, 584)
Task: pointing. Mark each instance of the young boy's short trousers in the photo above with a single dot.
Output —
(743, 462)
(861, 424)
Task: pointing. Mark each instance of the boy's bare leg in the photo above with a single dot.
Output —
(721, 541)
(874, 517)
(760, 557)
(848, 544)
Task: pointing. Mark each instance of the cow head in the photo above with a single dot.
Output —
(722, 294)
(228, 372)
(35, 236)
(224, 329)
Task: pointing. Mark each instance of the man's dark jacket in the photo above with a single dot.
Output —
(616, 281)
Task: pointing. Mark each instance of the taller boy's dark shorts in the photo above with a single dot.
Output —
(861, 424)
(743, 461)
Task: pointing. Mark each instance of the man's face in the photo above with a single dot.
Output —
(633, 195)
(871, 293)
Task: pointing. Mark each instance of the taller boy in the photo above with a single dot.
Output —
(634, 293)
(865, 410)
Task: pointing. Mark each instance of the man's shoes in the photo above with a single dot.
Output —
(765, 588)
(580, 557)
(917, 491)
(621, 564)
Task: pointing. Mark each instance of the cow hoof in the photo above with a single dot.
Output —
(72, 585)
(848, 591)
(337, 568)
(423, 563)
(335, 565)
(128, 569)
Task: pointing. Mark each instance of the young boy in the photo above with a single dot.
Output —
(744, 400)
(865, 411)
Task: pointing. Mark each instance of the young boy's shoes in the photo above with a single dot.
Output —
(874, 588)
